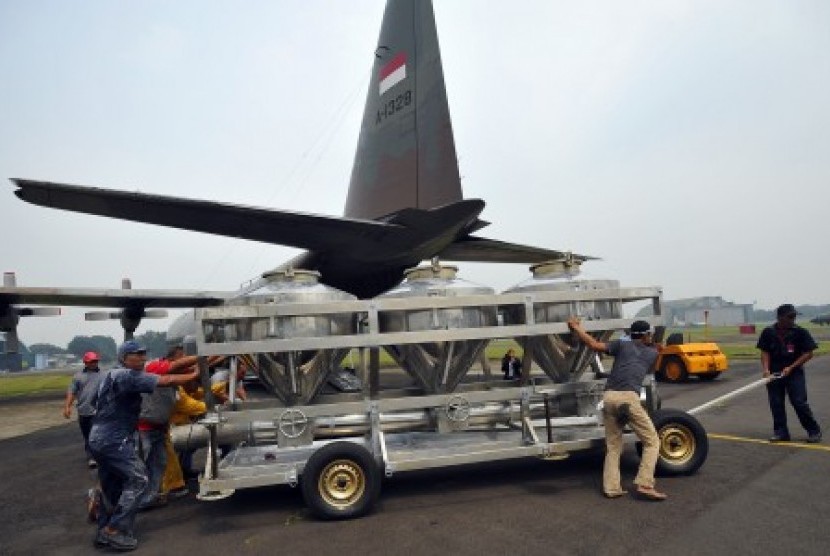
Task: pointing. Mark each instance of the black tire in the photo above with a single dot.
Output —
(708, 377)
(684, 445)
(673, 369)
(341, 481)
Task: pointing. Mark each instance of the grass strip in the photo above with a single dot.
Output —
(29, 384)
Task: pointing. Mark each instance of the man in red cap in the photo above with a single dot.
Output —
(83, 388)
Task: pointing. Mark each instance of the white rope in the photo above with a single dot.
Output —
(730, 395)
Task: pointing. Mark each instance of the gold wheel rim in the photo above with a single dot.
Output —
(673, 371)
(342, 483)
(677, 444)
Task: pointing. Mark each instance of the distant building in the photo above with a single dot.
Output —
(697, 311)
(821, 319)
(10, 361)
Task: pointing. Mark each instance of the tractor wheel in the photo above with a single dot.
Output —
(673, 370)
(340, 481)
(683, 442)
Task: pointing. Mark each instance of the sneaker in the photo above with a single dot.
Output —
(101, 540)
(92, 464)
(177, 493)
(779, 438)
(649, 493)
(814, 438)
(615, 494)
(116, 540)
(93, 505)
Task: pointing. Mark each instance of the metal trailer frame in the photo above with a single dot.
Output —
(464, 425)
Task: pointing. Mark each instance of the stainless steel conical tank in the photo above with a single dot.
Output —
(294, 376)
(562, 359)
(437, 366)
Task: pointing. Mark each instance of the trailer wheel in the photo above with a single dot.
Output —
(340, 481)
(674, 370)
(709, 376)
(684, 445)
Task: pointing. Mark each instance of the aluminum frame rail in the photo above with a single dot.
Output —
(374, 337)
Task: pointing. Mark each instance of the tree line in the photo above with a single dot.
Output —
(105, 346)
(807, 312)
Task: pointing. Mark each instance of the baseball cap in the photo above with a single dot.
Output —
(640, 328)
(786, 309)
(90, 356)
(130, 346)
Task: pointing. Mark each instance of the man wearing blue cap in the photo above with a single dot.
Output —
(121, 472)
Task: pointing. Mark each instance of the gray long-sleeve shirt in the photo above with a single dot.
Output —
(84, 387)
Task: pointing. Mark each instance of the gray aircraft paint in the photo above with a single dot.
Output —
(403, 159)
(404, 203)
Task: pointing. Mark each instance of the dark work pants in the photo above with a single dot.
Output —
(85, 422)
(794, 386)
(123, 482)
(155, 460)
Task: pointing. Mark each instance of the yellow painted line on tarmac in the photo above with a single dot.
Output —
(820, 447)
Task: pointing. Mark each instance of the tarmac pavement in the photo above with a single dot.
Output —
(751, 497)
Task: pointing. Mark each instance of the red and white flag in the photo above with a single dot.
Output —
(393, 72)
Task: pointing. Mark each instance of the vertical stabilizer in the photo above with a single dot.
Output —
(406, 153)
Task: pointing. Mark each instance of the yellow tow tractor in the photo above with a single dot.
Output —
(678, 361)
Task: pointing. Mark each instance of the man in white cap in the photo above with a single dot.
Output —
(84, 388)
(632, 361)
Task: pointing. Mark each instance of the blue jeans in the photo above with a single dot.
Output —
(155, 458)
(123, 482)
(795, 386)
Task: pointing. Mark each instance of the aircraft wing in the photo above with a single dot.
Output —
(100, 297)
(480, 249)
(294, 229)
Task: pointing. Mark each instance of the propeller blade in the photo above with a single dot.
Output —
(155, 314)
(39, 311)
(101, 315)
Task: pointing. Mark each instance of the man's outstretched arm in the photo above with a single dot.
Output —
(587, 339)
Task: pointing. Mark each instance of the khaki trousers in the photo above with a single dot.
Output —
(643, 428)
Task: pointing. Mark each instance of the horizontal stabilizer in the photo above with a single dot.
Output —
(480, 249)
(294, 229)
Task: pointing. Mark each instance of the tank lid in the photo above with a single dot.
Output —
(444, 272)
(566, 265)
(291, 275)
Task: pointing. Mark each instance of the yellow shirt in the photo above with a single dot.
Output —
(186, 408)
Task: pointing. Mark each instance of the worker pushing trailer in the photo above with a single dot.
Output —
(339, 447)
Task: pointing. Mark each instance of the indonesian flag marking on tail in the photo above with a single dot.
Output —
(393, 72)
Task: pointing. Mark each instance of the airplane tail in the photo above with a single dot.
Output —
(406, 152)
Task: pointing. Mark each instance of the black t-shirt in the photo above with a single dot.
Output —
(785, 345)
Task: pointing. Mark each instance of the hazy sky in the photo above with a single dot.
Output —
(687, 143)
